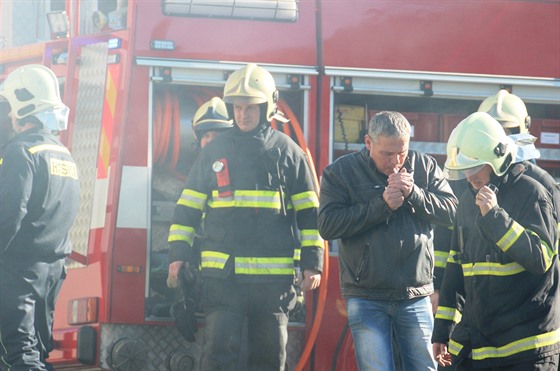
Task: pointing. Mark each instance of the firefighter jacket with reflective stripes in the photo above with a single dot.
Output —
(39, 197)
(505, 266)
(256, 191)
(442, 236)
(384, 254)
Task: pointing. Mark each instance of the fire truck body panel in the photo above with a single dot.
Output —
(202, 38)
(336, 63)
(445, 36)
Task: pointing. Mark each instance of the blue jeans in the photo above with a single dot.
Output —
(375, 322)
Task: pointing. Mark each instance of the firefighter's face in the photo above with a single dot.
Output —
(247, 116)
(207, 137)
(479, 176)
(15, 126)
(388, 153)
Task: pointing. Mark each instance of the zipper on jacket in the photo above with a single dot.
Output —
(362, 264)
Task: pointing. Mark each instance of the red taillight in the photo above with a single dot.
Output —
(82, 311)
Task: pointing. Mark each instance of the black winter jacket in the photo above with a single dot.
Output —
(384, 254)
(39, 197)
(505, 266)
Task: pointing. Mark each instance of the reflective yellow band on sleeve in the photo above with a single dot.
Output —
(440, 258)
(547, 252)
(452, 257)
(305, 200)
(510, 237)
(521, 345)
(491, 269)
(454, 347)
(49, 147)
(264, 266)
(192, 199)
(213, 259)
(181, 233)
(449, 314)
(311, 237)
(297, 254)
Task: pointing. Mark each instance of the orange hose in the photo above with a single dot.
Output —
(176, 133)
(156, 128)
(166, 124)
(300, 138)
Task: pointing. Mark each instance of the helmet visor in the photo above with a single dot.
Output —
(460, 174)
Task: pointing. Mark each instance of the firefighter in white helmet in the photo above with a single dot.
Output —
(252, 182)
(39, 196)
(210, 119)
(510, 111)
(502, 260)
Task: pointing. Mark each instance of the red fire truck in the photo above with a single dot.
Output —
(134, 72)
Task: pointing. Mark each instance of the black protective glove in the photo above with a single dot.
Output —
(184, 311)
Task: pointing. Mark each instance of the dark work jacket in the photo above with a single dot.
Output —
(544, 178)
(384, 254)
(39, 197)
(256, 191)
(504, 264)
(442, 237)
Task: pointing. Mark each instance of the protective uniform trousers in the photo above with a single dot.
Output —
(266, 306)
(28, 295)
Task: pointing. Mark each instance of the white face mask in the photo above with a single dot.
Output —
(55, 119)
(525, 147)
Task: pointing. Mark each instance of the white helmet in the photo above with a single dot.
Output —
(476, 141)
(254, 85)
(211, 115)
(508, 109)
(33, 90)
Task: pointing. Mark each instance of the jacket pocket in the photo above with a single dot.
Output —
(362, 266)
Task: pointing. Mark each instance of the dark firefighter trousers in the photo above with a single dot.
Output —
(28, 293)
(264, 306)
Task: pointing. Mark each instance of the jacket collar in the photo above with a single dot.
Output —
(368, 162)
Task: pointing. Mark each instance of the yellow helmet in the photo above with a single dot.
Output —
(509, 110)
(476, 141)
(253, 85)
(211, 115)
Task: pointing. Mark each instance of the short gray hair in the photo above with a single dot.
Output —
(388, 124)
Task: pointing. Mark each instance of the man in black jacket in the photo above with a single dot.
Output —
(382, 202)
(39, 196)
